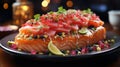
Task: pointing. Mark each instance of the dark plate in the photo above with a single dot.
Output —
(113, 49)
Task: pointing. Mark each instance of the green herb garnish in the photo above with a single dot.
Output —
(87, 11)
(50, 12)
(39, 27)
(10, 42)
(30, 38)
(37, 17)
(61, 10)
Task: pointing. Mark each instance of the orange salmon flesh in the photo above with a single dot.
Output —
(68, 42)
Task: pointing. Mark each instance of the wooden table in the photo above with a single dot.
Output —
(7, 60)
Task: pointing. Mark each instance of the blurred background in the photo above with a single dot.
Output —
(100, 7)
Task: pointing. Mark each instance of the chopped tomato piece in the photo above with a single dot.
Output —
(62, 30)
(54, 22)
(75, 27)
(50, 32)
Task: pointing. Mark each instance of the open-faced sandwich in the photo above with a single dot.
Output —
(65, 29)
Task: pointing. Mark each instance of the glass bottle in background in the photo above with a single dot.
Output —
(22, 11)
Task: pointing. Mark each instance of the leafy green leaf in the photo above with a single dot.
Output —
(61, 10)
(50, 12)
(87, 11)
(37, 17)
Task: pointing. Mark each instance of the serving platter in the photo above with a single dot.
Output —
(110, 35)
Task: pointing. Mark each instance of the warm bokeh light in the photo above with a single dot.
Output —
(25, 8)
(44, 3)
(48, 1)
(69, 3)
(5, 5)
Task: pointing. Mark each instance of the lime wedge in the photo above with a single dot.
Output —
(10, 42)
(83, 30)
(53, 49)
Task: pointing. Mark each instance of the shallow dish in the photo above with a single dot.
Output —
(7, 29)
(112, 49)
